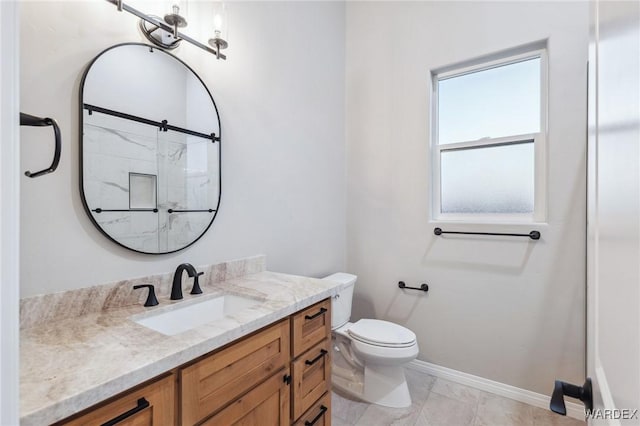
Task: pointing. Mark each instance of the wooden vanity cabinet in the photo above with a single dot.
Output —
(151, 404)
(319, 414)
(221, 377)
(310, 326)
(266, 404)
(279, 376)
(311, 377)
(311, 361)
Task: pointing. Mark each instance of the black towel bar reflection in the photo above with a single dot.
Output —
(30, 120)
(534, 235)
(423, 287)
(190, 211)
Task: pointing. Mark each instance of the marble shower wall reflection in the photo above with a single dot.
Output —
(120, 154)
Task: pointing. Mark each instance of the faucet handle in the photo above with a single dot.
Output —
(196, 284)
(151, 296)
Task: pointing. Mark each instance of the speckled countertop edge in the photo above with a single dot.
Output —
(73, 364)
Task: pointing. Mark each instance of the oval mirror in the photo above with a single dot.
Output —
(149, 149)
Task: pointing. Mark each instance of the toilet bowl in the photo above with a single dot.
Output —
(369, 355)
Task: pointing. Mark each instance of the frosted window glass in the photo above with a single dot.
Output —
(501, 101)
(489, 179)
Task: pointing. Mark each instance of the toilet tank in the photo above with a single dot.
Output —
(341, 303)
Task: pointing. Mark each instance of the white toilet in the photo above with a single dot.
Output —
(369, 355)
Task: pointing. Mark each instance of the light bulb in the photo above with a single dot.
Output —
(217, 24)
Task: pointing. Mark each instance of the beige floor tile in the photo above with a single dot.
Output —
(420, 384)
(440, 410)
(439, 402)
(376, 415)
(339, 422)
(457, 391)
(346, 409)
(542, 417)
(494, 410)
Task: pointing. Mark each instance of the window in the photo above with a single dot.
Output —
(488, 140)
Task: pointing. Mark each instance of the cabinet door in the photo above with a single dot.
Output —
(152, 404)
(319, 414)
(265, 405)
(311, 326)
(311, 377)
(214, 381)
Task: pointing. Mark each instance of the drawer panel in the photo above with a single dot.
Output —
(319, 414)
(211, 383)
(310, 326)
(151, 404)
(266, 404)
(311, 377)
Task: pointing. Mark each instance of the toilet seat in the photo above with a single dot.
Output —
(384, 355)
(382, 334)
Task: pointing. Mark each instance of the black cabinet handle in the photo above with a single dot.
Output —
(323, 410)
(316, 359)
(310, 317)
(30, 120)
(584, 393)
(142, 404)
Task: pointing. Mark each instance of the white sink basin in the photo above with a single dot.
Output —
(192, 315)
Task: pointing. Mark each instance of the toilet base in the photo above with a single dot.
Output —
(386, 386)
(381, 385)
(376, 383)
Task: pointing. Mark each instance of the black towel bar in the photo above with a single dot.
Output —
(423, 287)
(534, 235)
(30, 120)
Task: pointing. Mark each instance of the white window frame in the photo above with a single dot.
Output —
(539, 140)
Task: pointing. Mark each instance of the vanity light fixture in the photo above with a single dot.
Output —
(218, 41)
(163, 32)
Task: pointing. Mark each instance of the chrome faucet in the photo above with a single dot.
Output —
(176, 288)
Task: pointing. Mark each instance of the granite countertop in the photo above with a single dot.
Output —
(72, 364)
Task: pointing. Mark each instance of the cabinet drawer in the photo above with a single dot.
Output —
(151, 404)
(266, 404)
(211, 383)
(311, 377)
(319, 414)
(310, 326)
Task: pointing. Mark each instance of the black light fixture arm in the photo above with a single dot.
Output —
(163, 25)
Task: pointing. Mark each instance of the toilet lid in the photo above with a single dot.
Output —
(382, 333)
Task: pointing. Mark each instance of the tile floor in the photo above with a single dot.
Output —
(438, 402)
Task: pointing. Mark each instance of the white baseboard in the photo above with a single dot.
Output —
(532, 398)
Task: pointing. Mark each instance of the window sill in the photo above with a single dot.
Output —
(479, 225)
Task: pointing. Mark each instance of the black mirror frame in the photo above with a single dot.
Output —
(81, 146)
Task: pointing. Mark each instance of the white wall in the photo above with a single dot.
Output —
(502, 308)
(614, 206)
(281, 101)
(9, 214)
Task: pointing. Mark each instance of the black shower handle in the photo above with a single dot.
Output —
(30, 120)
